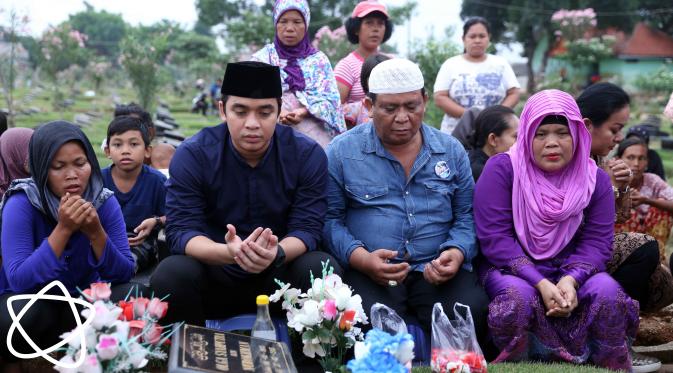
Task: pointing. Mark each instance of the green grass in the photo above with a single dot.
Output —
(103, 105)
(531, 368)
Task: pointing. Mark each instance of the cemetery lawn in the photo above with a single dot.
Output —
(530, 368)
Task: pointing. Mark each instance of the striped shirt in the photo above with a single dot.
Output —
(347, 72)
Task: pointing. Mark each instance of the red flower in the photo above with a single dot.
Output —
(346, 320)
(127, 310)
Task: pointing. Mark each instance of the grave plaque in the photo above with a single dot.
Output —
(198, 349)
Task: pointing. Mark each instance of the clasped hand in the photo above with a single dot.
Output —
(75, 213)
(256, 252)
(560, 299)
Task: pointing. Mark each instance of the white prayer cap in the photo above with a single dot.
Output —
(396, 75)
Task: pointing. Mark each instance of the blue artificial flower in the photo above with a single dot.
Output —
(377, 362)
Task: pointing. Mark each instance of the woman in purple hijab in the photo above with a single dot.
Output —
(310, 95)
(14, 156)
(544, 215)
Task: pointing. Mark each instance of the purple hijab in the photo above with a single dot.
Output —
(295, 77)
(548, 208)
(13, 156)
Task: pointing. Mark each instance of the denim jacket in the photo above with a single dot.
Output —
(372, 204)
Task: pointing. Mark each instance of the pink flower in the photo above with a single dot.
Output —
(157, 309)
(98, 291)
(139, 306)
(107, 347)
(153, 334)
(91, 365)
(329, 309)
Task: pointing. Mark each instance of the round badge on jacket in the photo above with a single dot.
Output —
(442, 169)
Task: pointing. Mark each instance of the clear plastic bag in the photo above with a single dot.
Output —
(454, 343)
(386, 319)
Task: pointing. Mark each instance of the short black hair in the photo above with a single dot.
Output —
(137, 111)
(279, 100)
(476, 20)
(599, 101)
(631, 141)
(493, 119)
(124, 123)
(353, 24)
(372, 96)
(367, 67)
(3, 122)
(555, 119)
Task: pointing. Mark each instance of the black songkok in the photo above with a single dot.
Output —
(252, 79)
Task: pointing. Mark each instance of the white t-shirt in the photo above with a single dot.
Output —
(474, 84)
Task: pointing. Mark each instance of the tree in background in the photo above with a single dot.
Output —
(104, 30)
(430, 55)
(8, 59)
(527, 21)
(141, 62)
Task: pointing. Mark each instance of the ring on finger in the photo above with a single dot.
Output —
(392, 283)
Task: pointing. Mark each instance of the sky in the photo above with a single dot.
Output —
(430, 18)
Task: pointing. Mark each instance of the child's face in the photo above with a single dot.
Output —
(127, 150)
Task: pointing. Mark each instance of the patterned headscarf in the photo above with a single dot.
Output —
(295, 77)
(548, 207)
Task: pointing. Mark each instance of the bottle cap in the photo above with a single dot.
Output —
(262, 300)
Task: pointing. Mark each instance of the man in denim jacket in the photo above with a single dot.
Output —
(400, 205)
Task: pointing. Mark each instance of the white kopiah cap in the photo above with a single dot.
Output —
(397, 75)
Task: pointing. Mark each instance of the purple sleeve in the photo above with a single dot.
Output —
(594, 239)
(494, 222)
(25, 265)
(116, 264)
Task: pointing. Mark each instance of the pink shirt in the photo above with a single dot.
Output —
(347, 72)
(653, 187)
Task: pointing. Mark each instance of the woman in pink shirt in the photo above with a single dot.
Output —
(368, 28)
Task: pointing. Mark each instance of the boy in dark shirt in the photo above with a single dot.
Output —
(139, 188)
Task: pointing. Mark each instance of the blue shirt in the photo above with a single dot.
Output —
(373, 205)
(212, 186)
(146, 199)
(29, 263)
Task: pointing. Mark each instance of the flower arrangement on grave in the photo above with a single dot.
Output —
(122, 337)
(326, 317)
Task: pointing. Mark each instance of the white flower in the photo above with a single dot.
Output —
(275, 297)
(74, 342)
(107, 347)
(405, 352)
(360, 350)
(66, 360)
(342, 296)
(91, 365)
(309, 314)
(312, 347)
(355, 303)
(104, 316)
(333, 281)
(137, 355)
(291, 297)
(317, 289)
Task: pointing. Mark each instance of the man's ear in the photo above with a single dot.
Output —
(369, 105)
(589, 124)
(220, 106)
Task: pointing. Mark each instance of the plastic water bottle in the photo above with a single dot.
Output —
(263, 327)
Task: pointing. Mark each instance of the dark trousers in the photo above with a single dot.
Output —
(414, 299)
(634, 273)
(46, 320)
(198, 291)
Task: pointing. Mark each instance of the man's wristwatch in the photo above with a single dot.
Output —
(280, 257)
